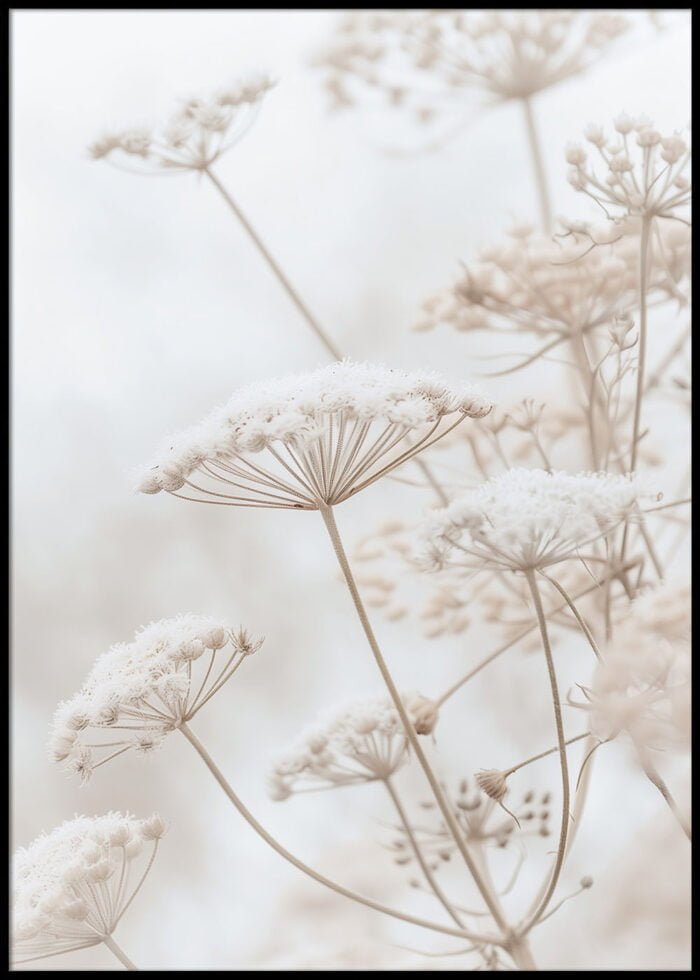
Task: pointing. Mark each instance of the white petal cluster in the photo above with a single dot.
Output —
(359, 743)
(422, 60)
(71, 886)
(329, 417)
(643, 687)
(526, 519)
(138, 692)
(643, 172)
(195, 136)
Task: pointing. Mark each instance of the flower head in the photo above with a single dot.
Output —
(642, 171)
(139, 692)
(527, 519)
(360, 743)
(195, 136)
(324, 435)
(72, 886)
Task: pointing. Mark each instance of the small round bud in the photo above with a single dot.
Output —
(153, 827)
(493, 783)
(586, 882)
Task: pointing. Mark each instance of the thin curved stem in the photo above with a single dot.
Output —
(288, 856)
(577, 615)
(425, 868)
(561, 744)
(118, 952)
(656, 780)
(445, 809)
(284, 282)
(538, 166)
(541, 755)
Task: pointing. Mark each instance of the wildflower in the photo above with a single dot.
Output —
(361, 743)
(325, 435)
(641, 173)
(72, 886)
(197, 135)
(139, 692)
(527, 519)
(493, 783)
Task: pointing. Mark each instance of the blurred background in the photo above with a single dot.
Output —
(139, 304)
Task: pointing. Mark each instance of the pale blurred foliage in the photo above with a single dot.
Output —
(137, 305)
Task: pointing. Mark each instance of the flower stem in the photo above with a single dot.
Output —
(656, 780)
(541, 755)
(445, 809)
(561, 744)
(284, 282)
(288, 856)
(118, 952)
(538, 165)
(641, 360)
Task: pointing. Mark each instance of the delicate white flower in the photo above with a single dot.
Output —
(138, 692)
(71, 887)
(360, 743)
(197, 135)
(527, 519)
(326, 435)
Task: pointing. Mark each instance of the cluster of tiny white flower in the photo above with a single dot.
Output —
(138, 692)
(357, 744)
(652, 185)
(526, 519)
(423, 60)
(195, 136)
(327, 434)
(72, 886)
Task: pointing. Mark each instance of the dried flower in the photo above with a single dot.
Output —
(197, 135)
(360, 743)
(72, 886)
(139, 692)
(326, 435)
(493, 783)
(527, 519)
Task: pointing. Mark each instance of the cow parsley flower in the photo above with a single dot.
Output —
(361, 743)
(527, 519)
(139, 692)
(196, 135)
(424, 60)
(323, 437)
(645, 172)
(72, 886)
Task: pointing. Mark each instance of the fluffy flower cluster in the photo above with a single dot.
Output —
(195, 136)
(645, 172)
(643, 687)
(358, 744)
(138, 692)
(326, 434)
(72, 886)
(423, 60)
(556, 290)
(526, 519)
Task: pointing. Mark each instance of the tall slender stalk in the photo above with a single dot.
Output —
(288, 856)
(538, 165)
(274, 265)
(118, 952)
(656, 780)
(561, 744)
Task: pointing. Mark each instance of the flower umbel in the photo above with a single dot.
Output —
(139, 692)
(325, 436)
(527, 519)
(72, 886)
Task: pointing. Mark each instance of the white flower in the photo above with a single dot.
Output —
(326, 435)
(197, 135)
(70, 887)
(527, 519)
(360, 743)
(139, 692)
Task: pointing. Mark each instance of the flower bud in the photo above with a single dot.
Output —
(493, 783)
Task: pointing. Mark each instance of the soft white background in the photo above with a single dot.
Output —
(138, 304)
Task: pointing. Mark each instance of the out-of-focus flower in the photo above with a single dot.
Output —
(325, 435)
(526, 519)
(644, 172)
(139, 692)
(361, 743)
(72, 886)
(422, 61)
(197, 135)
